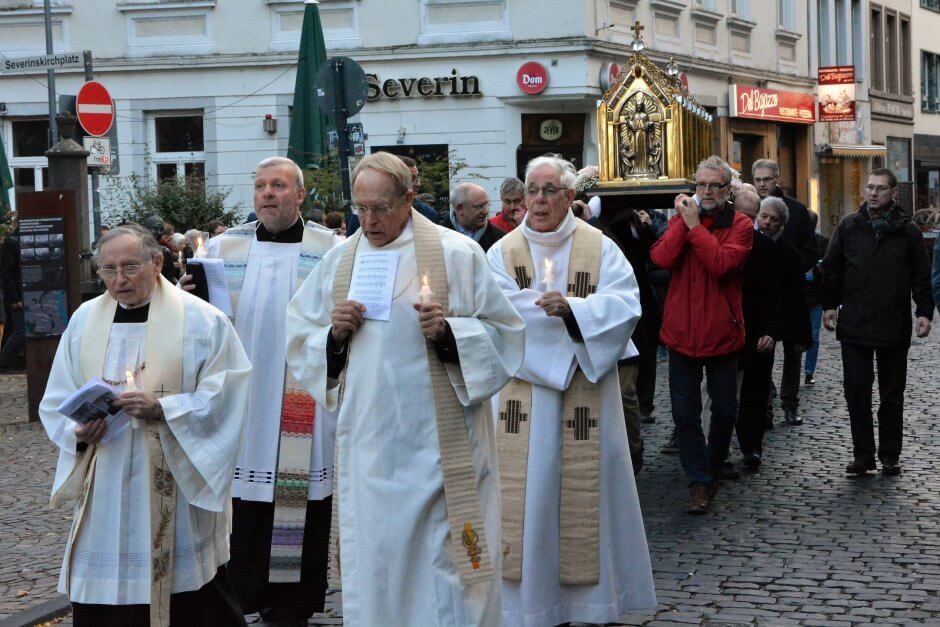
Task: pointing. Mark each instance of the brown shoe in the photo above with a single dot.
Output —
(699, 498)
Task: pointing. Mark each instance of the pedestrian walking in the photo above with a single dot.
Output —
(813, 293)
(875, 264)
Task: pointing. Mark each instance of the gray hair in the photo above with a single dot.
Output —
(272, 162)
(461, 194)
(717, 164)
(747, 196)
(511, 185)
(564, 169)
(777, 204)
(149, 247)
(178, 240)
(767, 164)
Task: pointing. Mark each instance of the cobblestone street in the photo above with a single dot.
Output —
(796, 543)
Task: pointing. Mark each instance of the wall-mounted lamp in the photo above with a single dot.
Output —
(269, 124)
(401, 135)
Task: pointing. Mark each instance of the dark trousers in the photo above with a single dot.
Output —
(700, 459)
(627, 371)
(858, 378)
(646, 380)
(790, 381)
(213, 605)
(752, 409)
(252, 526)
(15, 345)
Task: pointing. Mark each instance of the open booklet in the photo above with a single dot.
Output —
(92, 401)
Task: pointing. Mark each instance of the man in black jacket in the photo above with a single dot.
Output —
(13, 349)
(800, 233)
(469, 215)
(875, 263)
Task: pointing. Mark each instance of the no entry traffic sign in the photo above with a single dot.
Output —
(94, 108)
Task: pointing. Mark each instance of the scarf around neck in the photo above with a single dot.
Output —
(476, 235)
(550, 238)
(881, 222)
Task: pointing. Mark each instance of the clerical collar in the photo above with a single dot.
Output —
(292, 235)
(551, 238)
(138, 314)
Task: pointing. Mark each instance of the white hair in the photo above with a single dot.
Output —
(777, 204)
(564, 169)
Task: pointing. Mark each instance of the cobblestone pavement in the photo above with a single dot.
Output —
(796, 543)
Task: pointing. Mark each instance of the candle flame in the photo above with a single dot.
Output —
(129, 375)
(548, 263)
(200, 249)
(424, 282)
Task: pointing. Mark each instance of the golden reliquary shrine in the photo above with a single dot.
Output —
(652, 133)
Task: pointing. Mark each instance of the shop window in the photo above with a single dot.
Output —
(27, 142)
(177, 146)
(932, 5)
(899, 157)
(929, 81)
(450, 21)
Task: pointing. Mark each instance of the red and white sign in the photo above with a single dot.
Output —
(609, 72)
(758, 103)
(95, 108)
(837, 93)
(532, 78)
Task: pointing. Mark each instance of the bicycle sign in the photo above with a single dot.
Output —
(99, 151)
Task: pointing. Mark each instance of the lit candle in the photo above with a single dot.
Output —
(129, 385)
(425, 293)
(179, 257)
(548, 273)
(200, 249)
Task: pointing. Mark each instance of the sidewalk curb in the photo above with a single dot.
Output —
(39, 613)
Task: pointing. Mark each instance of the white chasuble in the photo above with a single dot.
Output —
(395, 548)
(111, 555)
(606, 320)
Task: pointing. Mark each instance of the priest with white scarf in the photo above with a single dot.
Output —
(417, 497)
(284, 473)
(153, 495)
(573, 543)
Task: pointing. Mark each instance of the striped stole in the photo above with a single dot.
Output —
(579, 558)
(468, 540)
(292, 479)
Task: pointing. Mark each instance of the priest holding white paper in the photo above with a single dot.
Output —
(573, 543)
(416, 496)
(150, 526)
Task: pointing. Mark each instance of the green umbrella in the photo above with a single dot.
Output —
(6, 182)
(308, 146)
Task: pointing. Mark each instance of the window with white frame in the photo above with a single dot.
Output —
(450, 21)
(22, 29)
(177, 145)
(339, 19)
(29, 141)
(786, 15)
(929, 81)
(741, 9)
(706, 4)
(168, 28)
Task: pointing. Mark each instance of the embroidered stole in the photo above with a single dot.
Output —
(579, 549)
(468, 539)
(298, 409)
(164, 372)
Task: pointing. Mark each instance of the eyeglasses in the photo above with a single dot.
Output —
(764, 179)
(549, 191)
(127, 271)
(376, 210)
(878, 189)
(712, 187)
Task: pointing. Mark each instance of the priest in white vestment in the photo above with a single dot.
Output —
(150, 527)
(284, 473)
(416, 487)
(574, 545)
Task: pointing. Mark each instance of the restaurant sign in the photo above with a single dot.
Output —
(759, 103)
(837, 93)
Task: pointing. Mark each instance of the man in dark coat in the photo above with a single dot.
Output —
(875, 264)
(468, 215)
(799, 232)
(11, 356)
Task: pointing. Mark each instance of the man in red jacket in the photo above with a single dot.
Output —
(704, 247)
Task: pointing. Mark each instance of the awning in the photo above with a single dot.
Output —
(853, 151)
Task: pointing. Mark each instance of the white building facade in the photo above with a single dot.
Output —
(490, 83)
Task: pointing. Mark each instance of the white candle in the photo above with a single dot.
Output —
(425, 293)
(179, 257)
(548, 273)
(129, 385)
(200, 249)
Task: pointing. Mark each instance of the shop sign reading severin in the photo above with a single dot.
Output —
(759, 103)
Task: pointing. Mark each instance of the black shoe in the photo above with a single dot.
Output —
(728, 472)
(647, 419)
(792, 417)
(672, 446)
(810, 379)
(860, 467)
(890, 467)
(752, 461)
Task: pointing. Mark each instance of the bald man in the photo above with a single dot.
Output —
(469, 213)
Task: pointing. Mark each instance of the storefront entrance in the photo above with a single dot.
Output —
(561, 133)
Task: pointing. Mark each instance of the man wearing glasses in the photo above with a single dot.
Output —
(468, 215)
(875, 264)
(705, 247)
(801, 234)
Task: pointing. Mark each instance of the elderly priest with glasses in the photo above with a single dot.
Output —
(573, 543)
(149, 532)
(404, 330)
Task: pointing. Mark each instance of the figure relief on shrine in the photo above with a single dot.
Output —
(641, 137)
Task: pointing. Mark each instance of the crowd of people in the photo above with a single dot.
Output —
(441, 414)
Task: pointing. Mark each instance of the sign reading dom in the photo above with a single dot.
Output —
(837, 93)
